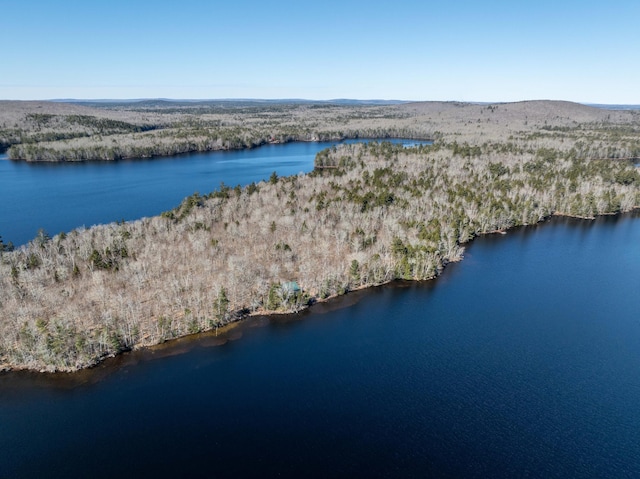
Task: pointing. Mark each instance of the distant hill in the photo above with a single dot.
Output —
(173, 102)
(159, 102)
(614, 107)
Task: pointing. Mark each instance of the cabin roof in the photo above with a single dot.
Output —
(291, 286)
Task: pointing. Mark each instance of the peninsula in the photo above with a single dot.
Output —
(367, 214)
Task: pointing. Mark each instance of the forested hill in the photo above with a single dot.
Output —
(48, 131)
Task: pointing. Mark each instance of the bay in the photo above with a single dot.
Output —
(63, 196)
(522, 360)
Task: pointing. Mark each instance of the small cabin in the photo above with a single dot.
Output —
(291, 287)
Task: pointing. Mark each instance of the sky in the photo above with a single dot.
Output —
(489, 50)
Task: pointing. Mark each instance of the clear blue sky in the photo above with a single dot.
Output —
(584, 51)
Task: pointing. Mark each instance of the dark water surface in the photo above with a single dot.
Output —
(523, 360)
(63, 196)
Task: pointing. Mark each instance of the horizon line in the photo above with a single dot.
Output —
(305, 100)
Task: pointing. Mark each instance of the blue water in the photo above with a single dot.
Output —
(523, 360)
(63, 196)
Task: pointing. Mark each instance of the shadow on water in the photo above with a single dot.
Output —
(17, 382)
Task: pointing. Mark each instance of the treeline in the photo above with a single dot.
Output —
(61, 132)
(175, 141)
(368, 214)
(58, 132)
(44, 128)
(9, 137)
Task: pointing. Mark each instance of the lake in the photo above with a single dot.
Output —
(63, 196)
(523, 360)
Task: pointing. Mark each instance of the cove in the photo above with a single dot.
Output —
(64, 196)
(520, 361)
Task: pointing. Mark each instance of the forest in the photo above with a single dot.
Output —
(36, 131)
(368, 214)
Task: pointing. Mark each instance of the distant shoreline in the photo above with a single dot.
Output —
(337, 140)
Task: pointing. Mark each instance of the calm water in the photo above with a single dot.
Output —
(63, 196)
(523, 360)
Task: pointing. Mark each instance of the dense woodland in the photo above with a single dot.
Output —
(38, 131)
(366, 215)
(60, 132)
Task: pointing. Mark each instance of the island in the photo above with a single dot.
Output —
(368, 214)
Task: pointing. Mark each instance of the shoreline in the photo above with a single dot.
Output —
(220, 149)
(223, 331)
(387, 212)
